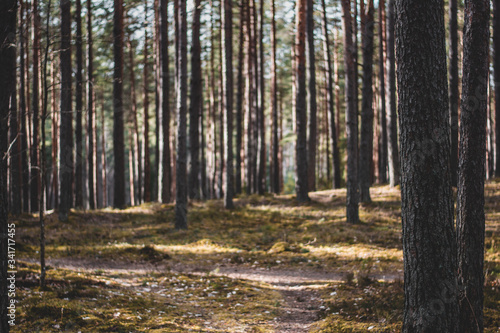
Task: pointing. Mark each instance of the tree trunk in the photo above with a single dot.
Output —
(104, 170)
(181, 172)
(366, 144)
(392, 117)
(227, 65)
(382, 158)
(164, 171)
(91, 161)
(66, 166)
(239, 98)
(195, 106)
(453, 90)
(134, 144)
(496, 67)
(8, 11)
(79, 108)
(275, 185)
(312, 142)
(352, 213)
(331, 101)
(35, 107)
(429, 244)
(16, 181)
(261, 185)
(55, 141)
(222, 101)
(146, 161)
(301, 183)
(470, 199)
(250, 158)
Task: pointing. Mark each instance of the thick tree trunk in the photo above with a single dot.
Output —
(250, 157)
(301, 182)
(392, 117)
(382, 158)
(91, 161)
(181, 162)
(79, 108)
(8, 11)
(227, 65)
(352, 210)
(496, 67)
(239, 99)
(453, 90)
(470, 200)
(312, 106)
(164, 171)
(429, 244)
(275, 185)
(195, 106)
(366, 144)
(331, 101)
(66, 165)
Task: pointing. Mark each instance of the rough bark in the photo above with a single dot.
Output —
(66, 161)
(496, 71)
(312, 105)
(429, 244)
(16, 180)
(453, 90)
(382, 158)
(91, 161)
(250, 157)
(470, 200)
(239, 99)
(301, 180)
(195, 106)
(79, 108)
(331, 101)
(164, 171)
(181, 162)
(227, 65)
(392, 117)
(8, 11)
(366, 144)
(352, 209)
(275, 184)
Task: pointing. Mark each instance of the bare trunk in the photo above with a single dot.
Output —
(275, 184)
(382, 158)
(79, 161)
(91, 158)
(312, 107)
(227, 65)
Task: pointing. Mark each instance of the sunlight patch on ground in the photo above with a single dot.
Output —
(357, 251)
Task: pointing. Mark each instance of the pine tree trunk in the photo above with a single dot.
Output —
(181, 162)
(146, 161)
(8, 10)
(261, 106)
(496, 68)
(352, 210)
(255, 99)
(301, 184)
(429, 244)
(79, 108)
(35, 109)
(392, 117)
(382, 158)
(312, 107)
(195, 106)
(453, 90)
(331, 101)
(16, 181)
(164, 171)
(91, 161)
(222, 101)
(227, 65)
(366, 144)
(239, 99)
(470, 199)
(134, 152)
(23, 110)
(104, 169)
(249, 101)
(274, 105)
(55, 141)
(66, 165)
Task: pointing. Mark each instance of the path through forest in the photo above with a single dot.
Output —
(299, 288)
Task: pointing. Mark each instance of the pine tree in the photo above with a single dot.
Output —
(312, 105)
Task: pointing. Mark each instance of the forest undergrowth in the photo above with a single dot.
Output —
(269, 265)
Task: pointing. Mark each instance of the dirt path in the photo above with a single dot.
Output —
(299, 288)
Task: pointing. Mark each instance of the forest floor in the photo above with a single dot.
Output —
(269, 265)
